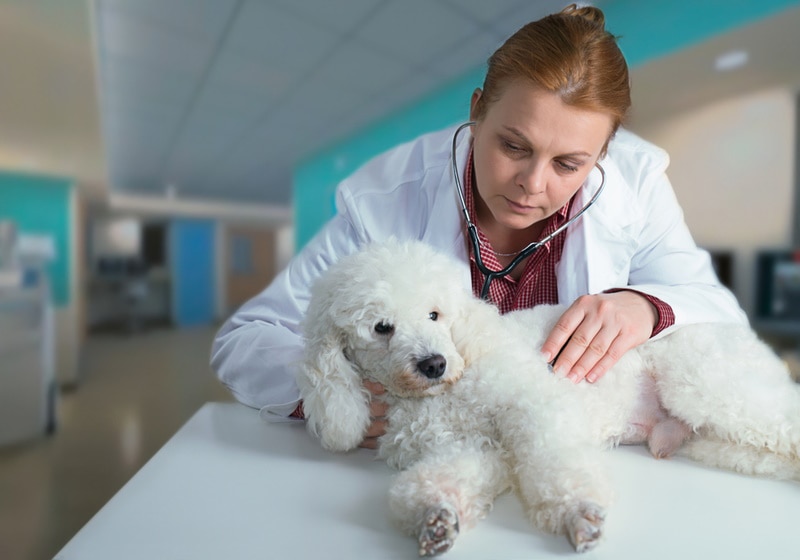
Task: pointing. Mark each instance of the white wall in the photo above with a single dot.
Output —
(732, 169)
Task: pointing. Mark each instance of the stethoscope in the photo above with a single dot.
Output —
(472, 230)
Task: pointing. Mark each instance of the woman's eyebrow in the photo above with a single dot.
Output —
(522, 137)
(516, 133)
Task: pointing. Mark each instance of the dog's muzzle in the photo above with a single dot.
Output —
(432, 367)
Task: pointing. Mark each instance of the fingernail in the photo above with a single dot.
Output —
(591, 378)
(547, 357)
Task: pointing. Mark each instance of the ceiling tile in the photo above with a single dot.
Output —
(392, 99)
(340, 16)
(316, 100)
(229, 104)
(275, 35)
(235, 72)
(122, 76)
(269, 184)
(416, 30)
(484, 11)
(189, 162)
(130, 127)
(202, 18)
(357, 68)
(126, 36)
(509, 23)
(121, 112)
(467, 56)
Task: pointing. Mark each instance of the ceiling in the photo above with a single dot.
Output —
(219, 99)
(222, 97)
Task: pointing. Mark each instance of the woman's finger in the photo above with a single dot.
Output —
(562, 331)
(618, 347)
(374, 387)
(576, 348)
(593, 352)
(376, 429)
(378, 408)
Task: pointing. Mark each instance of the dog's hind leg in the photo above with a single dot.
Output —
(667, 436)
(722, 381)
(439, 496)
(744, 459)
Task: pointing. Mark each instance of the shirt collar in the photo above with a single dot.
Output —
(553, 222)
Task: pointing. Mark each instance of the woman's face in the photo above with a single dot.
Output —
(531, 154)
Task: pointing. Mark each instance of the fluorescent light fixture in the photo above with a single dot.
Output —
(731, 60)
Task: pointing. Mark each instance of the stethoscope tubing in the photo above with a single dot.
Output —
(472, 229)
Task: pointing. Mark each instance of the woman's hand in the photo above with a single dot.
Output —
(595, 332)
(377, 412)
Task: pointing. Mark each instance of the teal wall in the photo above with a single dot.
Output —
(647, 29)
(191, 257)
(654, 28)
(41, 205)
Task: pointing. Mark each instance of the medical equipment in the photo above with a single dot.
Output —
(472, 230)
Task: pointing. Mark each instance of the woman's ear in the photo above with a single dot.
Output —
(475, 109)
(335, 403)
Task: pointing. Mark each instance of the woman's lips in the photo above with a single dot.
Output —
(521, 208)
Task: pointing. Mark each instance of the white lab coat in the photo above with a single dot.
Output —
(634, 235)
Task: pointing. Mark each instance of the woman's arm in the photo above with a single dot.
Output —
(597, 330)
(669, 266)
(256, 352)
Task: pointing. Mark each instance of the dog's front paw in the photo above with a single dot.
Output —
(438, 530)
(585, 526)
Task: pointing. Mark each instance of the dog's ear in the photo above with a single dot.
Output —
(475, 319)
(335, 403)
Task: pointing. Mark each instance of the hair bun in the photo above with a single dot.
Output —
(589, 13)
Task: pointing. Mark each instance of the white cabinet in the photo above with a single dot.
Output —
(27, 381)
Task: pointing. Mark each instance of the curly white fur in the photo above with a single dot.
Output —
(475, 411)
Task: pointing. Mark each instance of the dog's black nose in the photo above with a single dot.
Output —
(432, 366)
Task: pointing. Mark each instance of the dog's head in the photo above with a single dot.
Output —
(392, 313)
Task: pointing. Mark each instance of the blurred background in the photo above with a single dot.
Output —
(161, 160)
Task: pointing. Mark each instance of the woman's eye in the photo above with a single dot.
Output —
(512, 147)
(384, 328)
(567, 167)
(433, 315)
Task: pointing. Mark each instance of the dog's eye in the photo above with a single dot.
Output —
(384, 328)
(433, 315)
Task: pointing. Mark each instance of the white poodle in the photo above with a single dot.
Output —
(475, 410)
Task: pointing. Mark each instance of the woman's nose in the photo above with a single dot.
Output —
(532, 179)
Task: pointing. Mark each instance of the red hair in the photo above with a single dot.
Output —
(570, 54)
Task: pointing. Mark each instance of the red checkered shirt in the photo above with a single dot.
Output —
(538, 283)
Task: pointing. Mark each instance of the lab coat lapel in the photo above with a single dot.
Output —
(446, 231)
(599, 246)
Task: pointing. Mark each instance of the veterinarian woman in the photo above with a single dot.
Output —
(546, 136)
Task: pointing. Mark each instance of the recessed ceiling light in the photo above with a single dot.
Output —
(731, 60)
